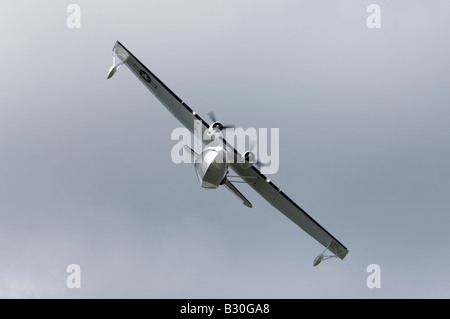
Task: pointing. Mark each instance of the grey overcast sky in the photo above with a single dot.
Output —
(85, 170)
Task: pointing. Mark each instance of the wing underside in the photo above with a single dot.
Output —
(260, 183)
(277, 198)
(170, 100)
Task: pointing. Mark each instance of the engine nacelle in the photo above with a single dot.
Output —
(215, 128)
(248, 159)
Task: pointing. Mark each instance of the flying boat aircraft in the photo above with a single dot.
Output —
(212, 171)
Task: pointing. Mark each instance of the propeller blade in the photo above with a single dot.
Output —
(252, 144)
(259, 164)
(212, 116)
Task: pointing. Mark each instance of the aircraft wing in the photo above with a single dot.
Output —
(260, 183)
(278, 199)
(170, 100)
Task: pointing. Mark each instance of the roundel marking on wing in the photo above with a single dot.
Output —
(145, 76)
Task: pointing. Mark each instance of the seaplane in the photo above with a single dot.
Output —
(213, 163)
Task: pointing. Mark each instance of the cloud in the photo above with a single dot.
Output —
(86, 175)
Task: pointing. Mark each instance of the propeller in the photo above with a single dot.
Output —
(252, 145)
(212, 116)
(220, 126)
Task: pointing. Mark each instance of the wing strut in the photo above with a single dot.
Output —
(113, 69)
(322, 256)
(236, 192)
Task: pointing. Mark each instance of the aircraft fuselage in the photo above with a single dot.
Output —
(211, 167)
